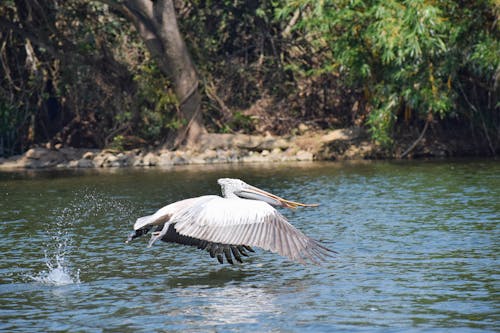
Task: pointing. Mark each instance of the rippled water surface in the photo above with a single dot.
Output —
(417, 245)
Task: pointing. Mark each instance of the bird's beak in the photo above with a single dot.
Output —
(255, 193)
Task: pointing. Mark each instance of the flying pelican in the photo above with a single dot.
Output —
(230, 225)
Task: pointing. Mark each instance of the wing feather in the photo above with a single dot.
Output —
(248, 223)
(164, 214)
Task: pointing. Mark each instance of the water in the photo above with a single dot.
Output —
(418, 246)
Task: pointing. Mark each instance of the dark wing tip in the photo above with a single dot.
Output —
(219, 258)
(317, 253)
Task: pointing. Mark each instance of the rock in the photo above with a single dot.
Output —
(14, 162)
(209, 155)
(115, 161)
(254, 158)
(344, 134)
(165, 159)
(213, 141)
(111, 161)
(120, 160)
(125, 159)
(249, 142)
(70, 153)
(88, 155)
(198, 160)
(302, 128)
(303, 155)
(361, 151)
(36, 153)
(343, 144)
(31, 164)
(150, 159)
(241, 141)
(39, 158)
(180, 160)
(273, 143)
(276, 151)
(138, 161)
(84, 163)
(100, 159)
(233, 156)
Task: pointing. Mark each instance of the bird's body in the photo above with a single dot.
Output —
(232, 224)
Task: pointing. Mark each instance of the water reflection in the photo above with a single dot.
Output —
(215, 278)
(228, 305)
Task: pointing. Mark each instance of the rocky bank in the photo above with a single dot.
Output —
(341, 144)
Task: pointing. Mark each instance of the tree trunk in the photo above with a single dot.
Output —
(157, 24)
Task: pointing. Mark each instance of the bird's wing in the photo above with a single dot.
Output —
(164, 214)
(247, 222)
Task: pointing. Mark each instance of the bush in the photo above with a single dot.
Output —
(405, 55)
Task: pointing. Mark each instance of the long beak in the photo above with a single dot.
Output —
(255, 193)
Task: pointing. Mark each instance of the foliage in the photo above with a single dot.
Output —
(88, 80)
(156, 102)
(403, 55)
(77, 73)
(237, 49)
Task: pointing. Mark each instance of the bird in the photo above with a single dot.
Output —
(231, 225)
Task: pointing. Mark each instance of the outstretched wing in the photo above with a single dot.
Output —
(247, 222)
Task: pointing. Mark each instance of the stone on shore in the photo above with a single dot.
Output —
(303, 155)
(347, 143)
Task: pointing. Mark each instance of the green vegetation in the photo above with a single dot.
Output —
(78, 73)
(411, 57)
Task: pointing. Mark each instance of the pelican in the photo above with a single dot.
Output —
(231, 225)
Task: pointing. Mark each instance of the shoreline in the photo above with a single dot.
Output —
(333, 145)
(211, 149)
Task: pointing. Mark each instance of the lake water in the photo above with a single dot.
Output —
(417, 244)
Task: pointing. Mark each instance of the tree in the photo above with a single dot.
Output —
(70, 76)
(157, 25)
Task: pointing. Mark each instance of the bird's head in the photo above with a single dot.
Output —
(236, 188)
(231, 186)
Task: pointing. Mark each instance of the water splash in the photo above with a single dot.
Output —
(59, 270)
(59, 246)
(58, 273)
(87, 204)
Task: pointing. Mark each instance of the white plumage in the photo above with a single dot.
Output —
(232, 225)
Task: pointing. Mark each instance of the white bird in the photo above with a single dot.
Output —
(232, 224)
